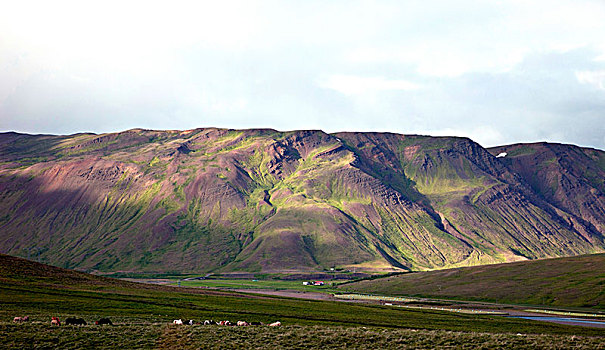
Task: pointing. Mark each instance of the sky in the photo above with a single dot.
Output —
(499, 72)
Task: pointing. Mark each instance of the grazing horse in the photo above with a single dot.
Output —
(190, 322)
(179, 321)
(55, 321)
(21, 319)
(242, 323)
(256, 323)
(104, 321)
(75, 321)
(225, 323)
(275, 324)
(209, 322)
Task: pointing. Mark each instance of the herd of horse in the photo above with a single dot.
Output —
(224, 323)
(55, 321)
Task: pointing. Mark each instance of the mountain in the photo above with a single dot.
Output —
(260, 200)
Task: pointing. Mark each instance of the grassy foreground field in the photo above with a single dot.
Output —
(567, 282)
(142, 315)
(155, 336)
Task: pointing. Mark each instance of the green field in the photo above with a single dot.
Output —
(143, 313)
(271, 284)
(564, 282)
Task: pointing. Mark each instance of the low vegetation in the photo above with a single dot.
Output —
(162, 336)
(566, 282)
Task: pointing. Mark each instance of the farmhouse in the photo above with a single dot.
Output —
(313, 283)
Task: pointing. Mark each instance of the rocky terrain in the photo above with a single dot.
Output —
(260, 200)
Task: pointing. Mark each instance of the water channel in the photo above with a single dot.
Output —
(565, 320)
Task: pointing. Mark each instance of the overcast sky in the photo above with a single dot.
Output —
(496, 71)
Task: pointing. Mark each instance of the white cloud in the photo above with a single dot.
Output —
(440, 60)
(484, 37)
(594, 78)
(356, 85)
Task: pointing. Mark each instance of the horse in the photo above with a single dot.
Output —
(75, 321)
(104, 321)
(55, 321)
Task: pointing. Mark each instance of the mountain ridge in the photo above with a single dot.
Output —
(262, 200)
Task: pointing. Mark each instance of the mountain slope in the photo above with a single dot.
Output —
(476, 197)
(571, 178)
(262, 200)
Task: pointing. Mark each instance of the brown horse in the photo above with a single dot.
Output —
(103, 321)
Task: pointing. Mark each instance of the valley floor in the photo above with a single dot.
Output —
(295, 289)
(561, 317)
(143, 316)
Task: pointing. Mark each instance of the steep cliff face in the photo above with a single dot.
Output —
(262, 200)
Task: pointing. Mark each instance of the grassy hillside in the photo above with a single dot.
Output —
(573, 281)
(217, 200)
(142, 315)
